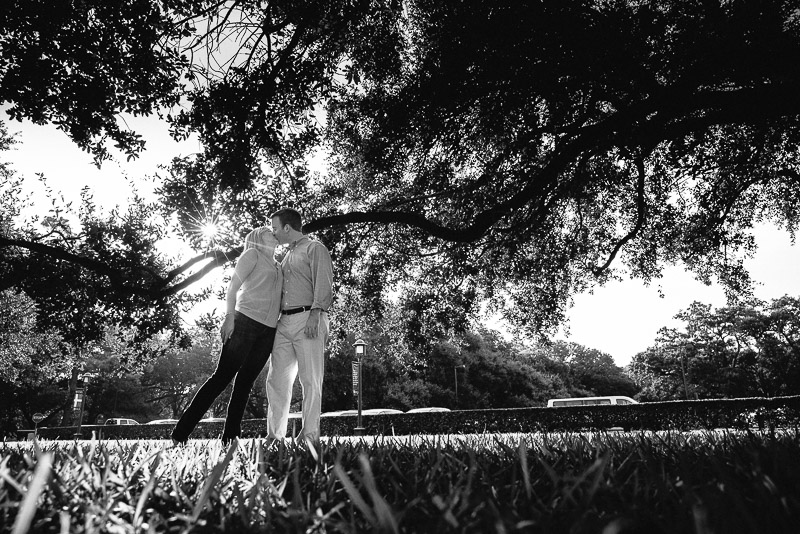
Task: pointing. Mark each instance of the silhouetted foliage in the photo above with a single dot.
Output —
(516, 152)
(748, 349)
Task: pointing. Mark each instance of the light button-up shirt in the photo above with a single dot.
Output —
(307, 276)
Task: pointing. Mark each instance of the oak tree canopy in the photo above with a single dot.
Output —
(515, 152)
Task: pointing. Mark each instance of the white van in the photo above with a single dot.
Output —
(590, 401)
(121, 421)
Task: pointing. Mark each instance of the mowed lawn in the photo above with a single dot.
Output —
(698, 482)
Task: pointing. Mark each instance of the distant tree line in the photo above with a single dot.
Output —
(744, 350)
(412, 360)
(402, 369)
(477, 370)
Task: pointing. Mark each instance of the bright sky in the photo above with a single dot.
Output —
(621, 318)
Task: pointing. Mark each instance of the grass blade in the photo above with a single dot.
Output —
(383, 512)
(213, 478)
(151, 483)
(27, 508)
(353, 493)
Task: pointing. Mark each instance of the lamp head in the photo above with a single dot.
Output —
(360, 346)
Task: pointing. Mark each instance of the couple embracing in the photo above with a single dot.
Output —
(278, 309)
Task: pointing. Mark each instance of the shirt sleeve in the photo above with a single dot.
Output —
(321, 275)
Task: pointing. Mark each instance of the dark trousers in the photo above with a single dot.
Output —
(243, 356)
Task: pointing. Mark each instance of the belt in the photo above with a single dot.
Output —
(296, 310)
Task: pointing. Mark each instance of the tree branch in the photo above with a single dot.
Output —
(160, 287)
(55, 252)
(219, 258)
(641, 213)
(652, 120)
(216, 255)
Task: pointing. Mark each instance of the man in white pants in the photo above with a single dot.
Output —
(302, 328)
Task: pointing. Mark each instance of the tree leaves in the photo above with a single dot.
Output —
(748, 349)
(511, 152)
(79, 64)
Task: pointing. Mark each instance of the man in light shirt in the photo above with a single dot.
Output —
(302, 328)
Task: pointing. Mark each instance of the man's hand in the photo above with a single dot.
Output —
(312, 325)
(226, 330)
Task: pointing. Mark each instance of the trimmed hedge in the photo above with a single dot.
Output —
(756, 412)
(761, 413)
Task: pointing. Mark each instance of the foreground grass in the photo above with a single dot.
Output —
(611, 483)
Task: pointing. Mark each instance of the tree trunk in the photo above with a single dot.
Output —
(68, 417)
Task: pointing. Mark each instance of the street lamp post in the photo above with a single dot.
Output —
(78, 404)
(683, 373)
(361, 349)
(37, 418)
(455, 377)
(80, 398)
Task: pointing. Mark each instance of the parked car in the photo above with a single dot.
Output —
(213, 420)
(428, 410)
(120, 421)
(590, 401)
(162, 422)
(370, 411)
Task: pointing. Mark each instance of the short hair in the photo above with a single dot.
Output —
(289, 216)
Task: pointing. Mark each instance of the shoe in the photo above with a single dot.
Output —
(178, 442)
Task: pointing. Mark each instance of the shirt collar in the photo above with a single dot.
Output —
(294, 244)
